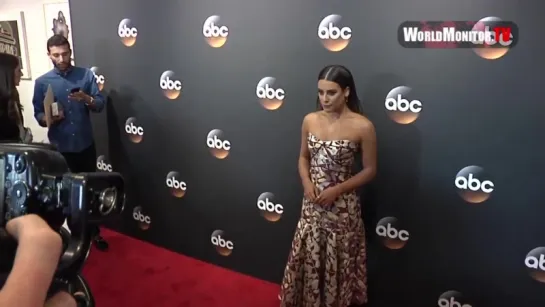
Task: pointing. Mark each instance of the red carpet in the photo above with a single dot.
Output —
(137, 274)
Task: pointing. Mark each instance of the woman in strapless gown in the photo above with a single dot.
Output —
(327, 263)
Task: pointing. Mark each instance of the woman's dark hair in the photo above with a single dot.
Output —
(343, 77)
(8, 91)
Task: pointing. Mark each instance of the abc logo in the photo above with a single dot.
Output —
(333, 36)
(472, 184)
(223, 246)
(177, 187)
(127, 32)
(143, 220)
(214, 33)
(135, 132)
(102, 165)
(393, 237)
(451, 299)
(535, 262)
(401, 109)
(170, 86)
(98, 77)
(270, 97)
(486, 25)
(270, 210)
(218, 145)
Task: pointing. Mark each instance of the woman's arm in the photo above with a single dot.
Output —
(304, 153)
(368, 143)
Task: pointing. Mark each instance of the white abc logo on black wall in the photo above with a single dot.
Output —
(217, 144)
(144, 221)
(535, 262)
(103, 165)
(177, 186)
(223, 246)
(170, 85)
(473, 184)
(127, 32)
(393, 236)
(133, 130)
(401, 107)
(269, 208)
(333, 35)
(99, 78)
(214, 32)
(270, 95)
(452, 299)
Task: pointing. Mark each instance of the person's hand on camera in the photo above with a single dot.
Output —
(33, 227)
(38, 253)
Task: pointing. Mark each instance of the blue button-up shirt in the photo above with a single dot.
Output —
(73, 133)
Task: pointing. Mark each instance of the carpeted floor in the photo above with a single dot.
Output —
(133, 273)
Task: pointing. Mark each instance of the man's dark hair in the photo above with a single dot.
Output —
(57, 41)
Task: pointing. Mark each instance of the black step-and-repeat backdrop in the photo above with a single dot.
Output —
(205, 103)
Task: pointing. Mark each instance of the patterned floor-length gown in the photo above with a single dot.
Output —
(327, 262)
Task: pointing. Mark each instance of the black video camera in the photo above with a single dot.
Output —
(35, 179)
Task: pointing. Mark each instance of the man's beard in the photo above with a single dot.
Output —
(68, 64)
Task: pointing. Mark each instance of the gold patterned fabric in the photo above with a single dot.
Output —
(327, 263)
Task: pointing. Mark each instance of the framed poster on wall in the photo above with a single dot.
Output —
(13, 39)
(57, 21)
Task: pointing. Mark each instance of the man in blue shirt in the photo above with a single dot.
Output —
(76, 93)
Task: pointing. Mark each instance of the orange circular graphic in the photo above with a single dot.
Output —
(170, 86)
(133, 130)
(223, 246)
(127, 32)
(473, 184)
(217, 144)
(392, 235)
(177, 186)
(269, 208)
(214, 33)
(333, 35)
(144, 221)
(401, 106)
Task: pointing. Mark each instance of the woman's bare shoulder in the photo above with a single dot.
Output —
(311, 117)
(363, 126)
